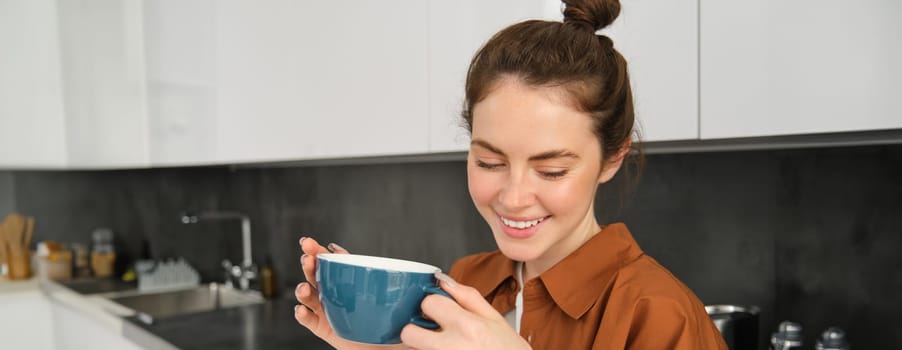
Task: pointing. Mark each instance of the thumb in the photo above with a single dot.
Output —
(467, 297)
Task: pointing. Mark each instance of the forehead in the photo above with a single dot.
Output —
(520, 118)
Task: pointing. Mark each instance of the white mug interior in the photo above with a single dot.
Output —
(381, 263)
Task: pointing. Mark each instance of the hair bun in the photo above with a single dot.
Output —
(594, 14)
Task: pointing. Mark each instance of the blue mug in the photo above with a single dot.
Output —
(369, 299)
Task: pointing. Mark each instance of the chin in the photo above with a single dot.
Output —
(517, 251)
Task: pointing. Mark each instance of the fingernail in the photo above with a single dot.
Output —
(333, 247)
(445, 278)
(301, 241)
(302, 259)
(296, 308)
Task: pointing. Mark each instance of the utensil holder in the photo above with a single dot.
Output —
(19, 265)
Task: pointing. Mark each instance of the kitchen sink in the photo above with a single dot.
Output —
(208, 297)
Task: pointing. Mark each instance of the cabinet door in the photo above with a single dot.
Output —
(32, 129)
(659, 39)
(775, 67)
(663, 62)
(180, 47)
(457, 29)
(75, 329)
(101, 51)
(321, 79)
(26, 321)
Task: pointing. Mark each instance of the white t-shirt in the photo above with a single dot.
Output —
(513, 317)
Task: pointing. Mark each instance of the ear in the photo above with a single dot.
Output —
(613, 165)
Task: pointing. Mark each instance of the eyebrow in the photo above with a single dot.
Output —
(553, 154)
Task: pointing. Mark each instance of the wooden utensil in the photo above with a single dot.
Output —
(14, 231)
(3, 252)
(29, 231)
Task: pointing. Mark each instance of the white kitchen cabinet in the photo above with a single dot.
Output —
(75, 329)
(320, 79)
(102, 60)
(659, 39)
(112, 83)
(457, 29)
(71, 84)
(180, 50)
(235, 82)
(32, 128)
(775, 67)
(25, 320)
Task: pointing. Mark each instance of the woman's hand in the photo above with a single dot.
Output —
(468, 323)
(310, 313)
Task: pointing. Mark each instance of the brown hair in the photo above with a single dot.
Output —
(568, 55)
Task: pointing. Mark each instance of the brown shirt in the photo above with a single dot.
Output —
(605, 295)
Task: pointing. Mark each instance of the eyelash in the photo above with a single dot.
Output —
(493, 166)
(488, 166)
(553, 175)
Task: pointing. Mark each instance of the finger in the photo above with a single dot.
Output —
(307, 296)
(335, 248)
(311, 246)
(306, 317)
(308, 264)
(420, 338)
(467, 297)
(444, 311)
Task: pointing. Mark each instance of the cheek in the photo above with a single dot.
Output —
(481, 185)
(567, 197)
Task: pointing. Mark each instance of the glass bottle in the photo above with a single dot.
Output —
(103, 255)
(268, 279)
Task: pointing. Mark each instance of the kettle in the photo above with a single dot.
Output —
(737, 324)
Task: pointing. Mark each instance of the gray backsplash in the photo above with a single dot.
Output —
(808, 235)
(7, 199)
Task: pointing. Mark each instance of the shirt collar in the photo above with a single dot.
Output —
(497, 269)
(575, 282)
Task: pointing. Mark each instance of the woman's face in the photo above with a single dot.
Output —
(533, 168)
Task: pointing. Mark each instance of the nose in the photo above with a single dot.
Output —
(518, 192)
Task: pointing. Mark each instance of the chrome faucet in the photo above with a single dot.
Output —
(247, 271)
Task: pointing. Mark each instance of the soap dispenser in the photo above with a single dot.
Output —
(268, 279)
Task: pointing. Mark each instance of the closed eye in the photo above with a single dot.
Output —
(553, 174)
(488, 166)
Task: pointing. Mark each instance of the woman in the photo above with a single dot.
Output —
(550, 115)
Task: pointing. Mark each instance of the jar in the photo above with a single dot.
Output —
(103, 255)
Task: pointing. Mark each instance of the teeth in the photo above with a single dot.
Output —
(521, 224)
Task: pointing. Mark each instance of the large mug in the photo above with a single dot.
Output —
(370, 299)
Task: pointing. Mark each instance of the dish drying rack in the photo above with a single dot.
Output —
(165, 275)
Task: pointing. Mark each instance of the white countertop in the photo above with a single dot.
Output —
(12, 286)
(105, 313)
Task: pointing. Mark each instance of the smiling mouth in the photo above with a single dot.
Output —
(521, 224)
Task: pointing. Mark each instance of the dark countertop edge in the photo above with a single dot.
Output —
(271, 323)
(143, 337)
